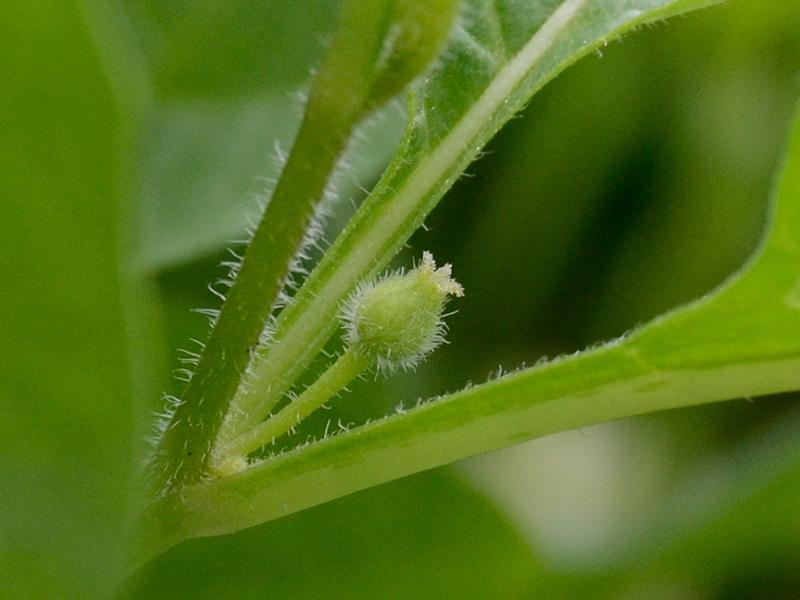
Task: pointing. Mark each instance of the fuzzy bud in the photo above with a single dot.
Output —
(397, 321)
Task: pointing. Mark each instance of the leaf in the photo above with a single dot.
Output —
(228, 51)
(226, 80)
(377, 544)
(503, 52)
(760, 515)
(742, 340)
(203, 162)
(748, 494)
(68, 374)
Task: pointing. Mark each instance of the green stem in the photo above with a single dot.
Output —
(346, 368)
(280, 364)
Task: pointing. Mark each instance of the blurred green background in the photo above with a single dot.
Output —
(635, 182)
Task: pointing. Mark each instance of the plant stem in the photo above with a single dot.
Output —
(346, 368)
(378, 49)
(336, 103)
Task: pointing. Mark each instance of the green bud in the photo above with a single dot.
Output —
(397, 321)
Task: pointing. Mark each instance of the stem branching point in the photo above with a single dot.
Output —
(391, 324)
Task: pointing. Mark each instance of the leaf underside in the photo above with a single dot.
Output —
(740, 341)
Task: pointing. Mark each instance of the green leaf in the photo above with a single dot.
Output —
(70, 308)
(226, 51)
(757, 508)
(203, 162)
(742, 340)
(200, 164)
(747, 493)
(226, 82)
(377, 544)
(502, 53)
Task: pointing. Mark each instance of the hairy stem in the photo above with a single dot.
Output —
(339, 98)
(346, 368)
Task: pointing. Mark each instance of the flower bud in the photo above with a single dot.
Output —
(396, 321)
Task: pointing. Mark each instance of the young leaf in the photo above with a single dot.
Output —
(742, 340)
(499, 56)
(501, 53)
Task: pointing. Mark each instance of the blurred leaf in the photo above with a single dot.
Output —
(721, 125)
(200, 165)
(763, 562)
(69, 311)
(427, 536)
(205, 164)
(229, 50)
(728, 530)
(343, 93)
(227, 80)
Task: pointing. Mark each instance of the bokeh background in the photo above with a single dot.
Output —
(638, 180)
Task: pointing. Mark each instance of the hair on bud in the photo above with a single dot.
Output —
(397, 320)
